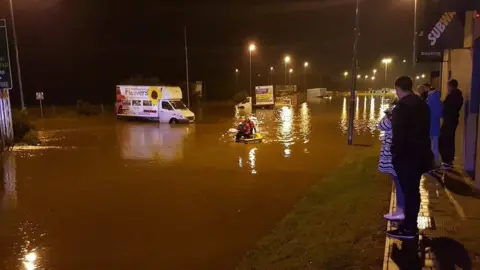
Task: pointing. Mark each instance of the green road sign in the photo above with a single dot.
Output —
(5, 71)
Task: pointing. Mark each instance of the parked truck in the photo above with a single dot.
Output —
(159, 103)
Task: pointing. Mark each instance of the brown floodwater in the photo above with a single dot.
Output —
(106, 194)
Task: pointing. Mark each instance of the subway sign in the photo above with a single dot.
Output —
(442, 28)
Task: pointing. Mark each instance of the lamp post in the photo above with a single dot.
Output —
(386, 61)
(290, 76)
(251, 48)
(19, 73)
(236, 80)
(414, 58)
(286, 60)
(270, 75)
(354, 73)
(305, 66)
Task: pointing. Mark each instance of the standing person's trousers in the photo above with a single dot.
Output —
(447, 141)
(409, 178)
(435, 149)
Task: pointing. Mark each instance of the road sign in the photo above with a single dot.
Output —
(39, 96)
(5, 71)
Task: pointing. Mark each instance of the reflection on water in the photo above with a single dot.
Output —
(151, 141)
(251, 159)
(99, 200)
(25, 248)
(10, 181)
(367, 116)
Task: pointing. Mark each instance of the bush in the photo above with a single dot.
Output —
(239, 97)
(85, 108)
(21, 125)
(31, 138)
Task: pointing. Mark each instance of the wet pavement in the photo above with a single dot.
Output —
(107, 194)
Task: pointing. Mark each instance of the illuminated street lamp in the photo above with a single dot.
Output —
(386, 61)
(366, 76)
(345, 74)
(236, 79)
(375, 72)
(305, 66)
(418, 77)
(287, 61)
(290, 76)
(423, 76)
(251, 48)
(359, 76)
(270, 80)
(373, 78)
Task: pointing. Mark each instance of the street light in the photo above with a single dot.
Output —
(418, 77)
(366, 76)
(345, 74)
(386, 61)
(290, 76)
(375, 72)
(251, 48)
(373, 78)
(236, 79)
(270, 79)
(305, 66)
(423, 76)
(286, 60)
(359, 76)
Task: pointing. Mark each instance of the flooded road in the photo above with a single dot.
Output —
(108, 194)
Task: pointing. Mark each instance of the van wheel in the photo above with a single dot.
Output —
(173, 121)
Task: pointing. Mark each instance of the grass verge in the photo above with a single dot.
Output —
(337, 225)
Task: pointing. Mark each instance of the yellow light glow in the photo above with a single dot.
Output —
(387, 61)
(375, 71)
(291, 70)
(236, 70)
(305, 64)
(345, 73)
(252, 47)
(287, 59)
(271, 68)
(373, 78)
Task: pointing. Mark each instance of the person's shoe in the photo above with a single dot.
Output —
(394, 216)
(402, 234)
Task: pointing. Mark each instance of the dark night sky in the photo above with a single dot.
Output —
(79, 49)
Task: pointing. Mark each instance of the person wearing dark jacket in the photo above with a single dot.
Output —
(451, 113)
(411, 152)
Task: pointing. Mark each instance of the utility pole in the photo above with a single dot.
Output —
(186, 65)
(20, 85)
(354, 75)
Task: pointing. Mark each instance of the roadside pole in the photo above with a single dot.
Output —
(186, 65)
(354, 76)
(40, 97)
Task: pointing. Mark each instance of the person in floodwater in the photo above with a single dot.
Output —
(245, 129)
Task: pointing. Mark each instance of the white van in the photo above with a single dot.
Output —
(245, 105)
(159, 103)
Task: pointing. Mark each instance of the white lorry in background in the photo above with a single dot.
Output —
(162, 103)
(316, 93)
(245, 105)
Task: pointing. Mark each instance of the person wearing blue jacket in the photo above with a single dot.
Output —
(435, 104)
